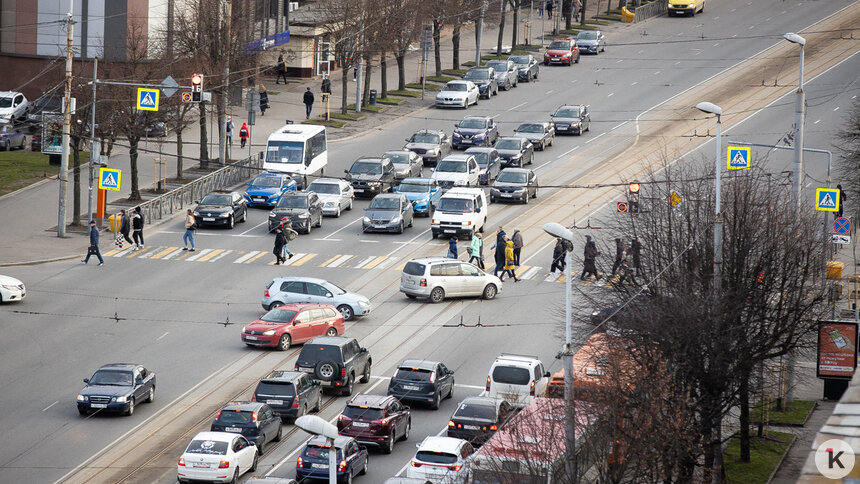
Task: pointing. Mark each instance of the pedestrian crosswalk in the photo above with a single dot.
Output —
(311, 259)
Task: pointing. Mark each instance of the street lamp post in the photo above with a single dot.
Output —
(799, 114)
(558, 230)
(318, 426)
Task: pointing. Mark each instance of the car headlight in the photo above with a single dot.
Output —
(196, 213)
(434, 221)
(577, 124)
(269, 332)
(121, 399)
(494, 191)
(456, 135)
(274, 196)
(519, 189)
(272, 214)
(82, 398)
(329, 204)
(460, 182)
(396, 219)
(517, 156)
(480, 135)
(373, 184)
(10, 288)
(467, 222)
(366, 220)
(304, 215)
(566, 54)
(364, 303)
(244, 330)
(224, 215)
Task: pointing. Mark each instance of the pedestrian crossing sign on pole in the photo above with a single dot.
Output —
(109, 179)
(738, 158)
(827, 199)
(147, 99)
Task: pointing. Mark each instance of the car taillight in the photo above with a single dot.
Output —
(266, 294)
(254, 417)
(455, 468)
(494, 427)
(451, 423)
(343, 372)
(182, 461)
(224, 464)
(218, 416)
(342, 466)
(300, 462)
(254, 397)
(414, 464)
(423, 282)
(488, 382)
(532, 389)
(296, 401)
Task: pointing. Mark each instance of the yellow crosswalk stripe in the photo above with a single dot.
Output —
(561, 278)
(521, 270)
(111, 252)
(164, 253)
(252, 259)
(401, 266)
(303, 260)
(329, 261)
(374, 262)
(210, 255)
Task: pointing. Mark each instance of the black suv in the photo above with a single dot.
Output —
(256, 421)
(303, 208)
(290, 393)
(422, 381)
(485, 79)
(371, 176)
(336, 361)
(221, 208)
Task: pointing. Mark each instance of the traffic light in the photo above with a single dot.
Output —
(633, 197)
(197, 88)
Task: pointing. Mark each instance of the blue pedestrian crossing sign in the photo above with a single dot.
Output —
(738, 158)
(109, 179)
(827, 199)
(147, 99)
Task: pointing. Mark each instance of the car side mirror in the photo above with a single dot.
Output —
(364, 350)
(451, 372)
(346, 171)
(432, 170)
(248, 183)
(86, 380)
(547, 375)
(298, 321)
(456, 125)
(197, 202)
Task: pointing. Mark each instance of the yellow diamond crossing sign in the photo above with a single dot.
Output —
(147, 99)
(674, 199)
(109, 179)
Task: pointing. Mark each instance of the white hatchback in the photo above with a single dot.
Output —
(217, 457)
(438, 277)
(442, 460)
(11, 289)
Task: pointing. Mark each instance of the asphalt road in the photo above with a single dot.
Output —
(180, 313)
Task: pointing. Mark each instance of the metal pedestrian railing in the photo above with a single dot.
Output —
(650, 10)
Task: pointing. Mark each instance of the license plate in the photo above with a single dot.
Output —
(379, 226)
(305, 368)
(507, 194)
(319, 466)
(274, 402)
(252, 338)
(360, 424)
(98, 405)
(411, 387)
(201, 466)
(450, 231)
(208, 219)
(470, 427)
(357, 190)
(232, 429)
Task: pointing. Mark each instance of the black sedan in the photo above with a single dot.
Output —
(540, 134)
(573, 119)
(117, 387)
(516, 152)
(478, 418)
(527, 67)
(303, 209)
(221, 208)
(388, 212)
(256, 421)
(514, 185)
(422, 381)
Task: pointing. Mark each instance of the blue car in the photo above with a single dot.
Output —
(422, 192)
(313, 462)
(489, 163)
(266, 189)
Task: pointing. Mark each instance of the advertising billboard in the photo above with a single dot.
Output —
(837, 349)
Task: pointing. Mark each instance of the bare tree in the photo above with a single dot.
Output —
(344, 25)
(849, 147)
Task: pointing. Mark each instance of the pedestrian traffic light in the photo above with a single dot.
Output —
(196, 88)
(633, 197)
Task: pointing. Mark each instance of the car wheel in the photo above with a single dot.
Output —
(331, 332)
(310, 227)
(437, 295)
(337, 214)
(244, 216)
(576, 61)
(235, 477)
(349, 207)
(489, 291)
(347, 390)
(275, 304)
(534, 195)
(545, 63)
(319, 403)
(231, 223)
(261, 445)
(451, 391)
(526, 197)
(365, 377)
(492, 200)
(151, 396)
(529, 77)
(400, 229)
(348, 478)
(406, 431)
(346, 311)
(253, 465)
(280, 433)
(130, 410)
(364, 468)
(435, 403)
(389, 445)
(285, 342)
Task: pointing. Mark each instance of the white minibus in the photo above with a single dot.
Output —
(297, 149)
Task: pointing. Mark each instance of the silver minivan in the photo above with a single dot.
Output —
(438, 277)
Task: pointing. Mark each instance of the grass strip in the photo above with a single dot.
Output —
(19, 169)
(404, 93)
(330, 123)
(795, 415)
(765, 454)
(388, 100)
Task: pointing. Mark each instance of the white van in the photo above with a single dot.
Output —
(460, 212)
(517, 379)
(298, 149)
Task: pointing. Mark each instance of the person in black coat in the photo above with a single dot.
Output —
(124, 229)
(308, 99)
(137, 228)
(590, 259)
(499, 256)
(280, 242)
(557, 257)
(94, 245)
(264, 99)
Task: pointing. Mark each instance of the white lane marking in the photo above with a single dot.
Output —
(634, 83)
(362, 262)
(733, 36)
(246, 256)
(152, 252)
(294, 258)
(330, 240)
(549, 92)
(807, 185)
(199, 255)
(123, 253)
(51, 405)
(836, 109)
(641, 51)
(172, 254)
(222, 254)
(816, 122)
(751, 27)
(406, 244)
(254, 227)
(574, 81)
(531, 272)
(328, 237)
(768, 19)
(552, 276)
(619, 125)
(677, 62)
(854, 97)
(598, 136)
(619, 61)
(732, 10)
(518, 105)
(369, 241)
(162, 336)
(610, 94)
(340, 260)
(655, 73)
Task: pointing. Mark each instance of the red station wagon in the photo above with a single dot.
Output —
(293, 323)
(561, 51)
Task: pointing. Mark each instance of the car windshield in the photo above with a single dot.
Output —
(397, 158)
(559, 45)
(567, 113)
(468, 410)
(512, 177)
(434, 457)
(317, 452)
(455, 86)
(483, 158)
(327, 188)
(385, 203)
(519, 59)
(586, 35)
(499, 66)
(284, 389)
(215, 200)
(507, 144)
(460, 205)
(284, 152)
(279, 316)
(333, 288)
(209, 447)
(266, 181)
(451, 166)
(477, 74)
(413, 188)
(425, 138)
(293, 202)
(366, 168)
(413, 374)
(111, 377)
(234, 417)
(473, 123)
(512, 375)
(363, 413)
(530, 128)
(6, 102)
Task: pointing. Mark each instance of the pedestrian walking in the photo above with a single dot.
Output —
(549, 9)
(620, 254)
(229, 130)
(309, 103)
(452, 248)
(124, 229)
(590, 257)
(510, 267)
(557, 257)
(190, 227)
(326, 85)
(290, 235)
(476, 250)
(243, 134)
(517, 239)
(282, 69)
(499, 247)
(264, 99)
(841, 201)
(636, 252)
(137, 228)
(540, 9)
(93, 249)
(577, 5)
(280, 242)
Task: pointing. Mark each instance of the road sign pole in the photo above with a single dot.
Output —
(67, 121)
(92, 141)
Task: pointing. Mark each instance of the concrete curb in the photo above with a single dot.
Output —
(782, 459)
(381, 126)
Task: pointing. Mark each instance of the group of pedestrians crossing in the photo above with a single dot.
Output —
(134, 224)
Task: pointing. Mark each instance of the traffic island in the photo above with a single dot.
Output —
(766, 455)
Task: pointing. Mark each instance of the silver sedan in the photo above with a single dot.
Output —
(336, 195)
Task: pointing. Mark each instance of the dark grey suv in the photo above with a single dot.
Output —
(485, 79)
(290, 394)
(304, 210)
(371, 176)
(422, 381)
(256, 421)
(336, 361)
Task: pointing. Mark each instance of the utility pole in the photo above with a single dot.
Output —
(480, 29)
(67, 123)
(358, 86)
(226, 88)
(92, 140)
(557, 15)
